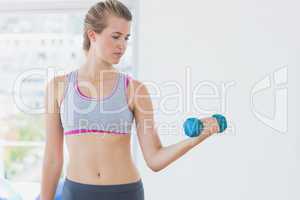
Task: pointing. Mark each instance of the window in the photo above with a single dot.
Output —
(35, 38)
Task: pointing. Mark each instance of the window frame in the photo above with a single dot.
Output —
(52, 6)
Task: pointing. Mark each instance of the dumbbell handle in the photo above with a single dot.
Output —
(194, 126)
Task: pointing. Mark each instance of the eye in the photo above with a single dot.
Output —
(117, 37)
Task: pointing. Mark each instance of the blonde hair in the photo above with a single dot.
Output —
(96, 17)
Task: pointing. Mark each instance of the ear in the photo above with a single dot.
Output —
(92, 35)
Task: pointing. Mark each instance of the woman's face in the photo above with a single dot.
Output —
(111, 43)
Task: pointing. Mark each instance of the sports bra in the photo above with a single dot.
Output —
(81, 114)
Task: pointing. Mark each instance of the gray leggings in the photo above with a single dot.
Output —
(79, 191)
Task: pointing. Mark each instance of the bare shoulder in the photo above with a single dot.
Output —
(62, 81)
(56, 87)
(139, 96)
(133, 85)
(140, 88)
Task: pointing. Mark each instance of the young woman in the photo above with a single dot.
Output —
(93, 108)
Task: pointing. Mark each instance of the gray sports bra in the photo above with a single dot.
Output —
(85, 115)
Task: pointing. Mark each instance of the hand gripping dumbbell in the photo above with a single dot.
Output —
(194, 126)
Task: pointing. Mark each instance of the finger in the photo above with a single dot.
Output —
(210, 124)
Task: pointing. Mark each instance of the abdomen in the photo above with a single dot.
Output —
(100, 159)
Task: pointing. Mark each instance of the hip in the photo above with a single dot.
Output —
(73, 190)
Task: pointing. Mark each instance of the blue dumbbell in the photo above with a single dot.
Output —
(194, 126)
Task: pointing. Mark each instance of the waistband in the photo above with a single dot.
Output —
(105, 188)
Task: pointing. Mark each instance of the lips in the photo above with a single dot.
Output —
(118, 54)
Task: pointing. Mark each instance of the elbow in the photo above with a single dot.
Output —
(53, 167)
(154, 167)
(153, 162)
(57, 164)
(53, 163)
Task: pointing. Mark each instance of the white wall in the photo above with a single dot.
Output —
(235, 44)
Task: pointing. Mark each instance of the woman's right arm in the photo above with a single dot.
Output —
(53, 152)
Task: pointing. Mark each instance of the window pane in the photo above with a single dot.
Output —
(18, 160)
(34, 43)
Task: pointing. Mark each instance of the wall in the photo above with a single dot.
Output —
(244, 55)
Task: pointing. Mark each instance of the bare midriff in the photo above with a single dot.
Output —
(102, 159)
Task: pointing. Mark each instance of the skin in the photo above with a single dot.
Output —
(98, 159)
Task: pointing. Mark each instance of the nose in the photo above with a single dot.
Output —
(121, 45)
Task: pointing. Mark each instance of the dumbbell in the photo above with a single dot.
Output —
(194, 126)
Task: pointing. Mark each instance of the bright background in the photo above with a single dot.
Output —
(237, 58)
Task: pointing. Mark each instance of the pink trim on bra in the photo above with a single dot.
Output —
(78, 131)
(93, 98)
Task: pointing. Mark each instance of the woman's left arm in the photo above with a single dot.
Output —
(157, 156)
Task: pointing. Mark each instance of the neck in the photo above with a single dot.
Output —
(96, 69)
